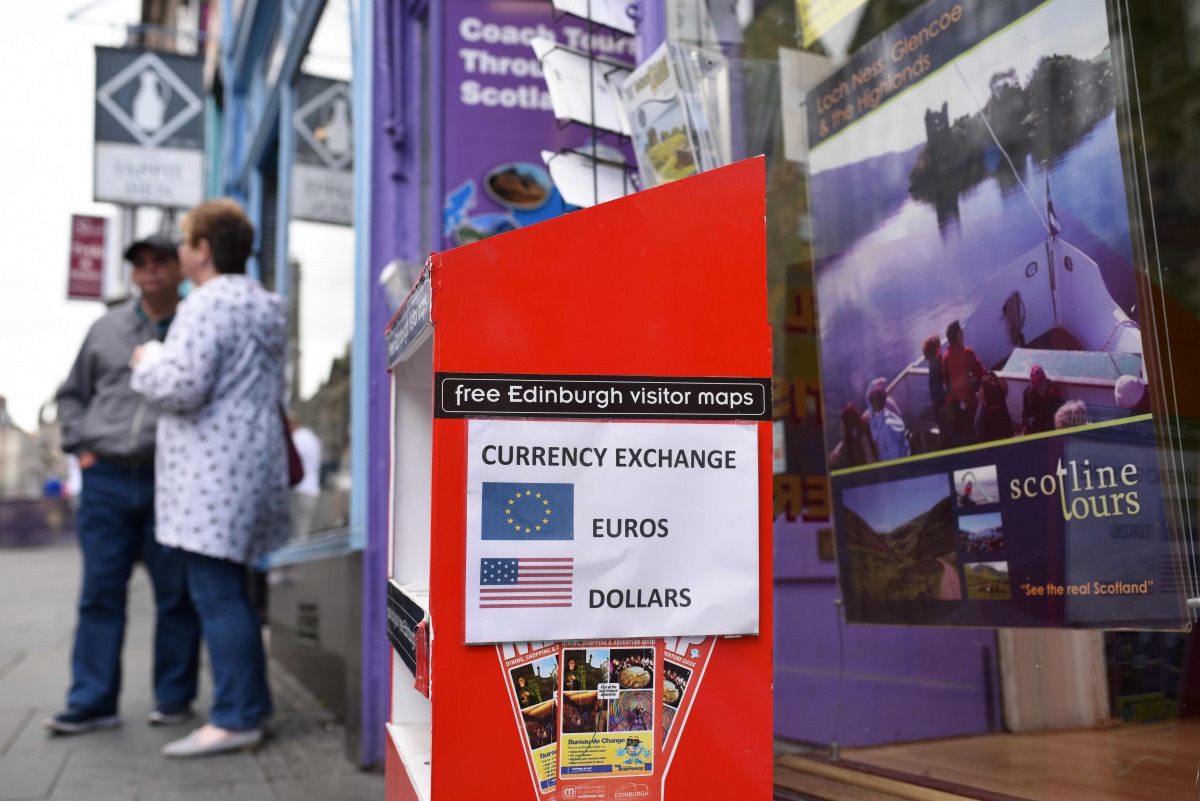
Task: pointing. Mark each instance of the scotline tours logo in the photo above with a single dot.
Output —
(1085, 490)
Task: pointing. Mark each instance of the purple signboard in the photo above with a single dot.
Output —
(498, 117)
(85, 276)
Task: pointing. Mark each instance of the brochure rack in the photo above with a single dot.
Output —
(673, 103)
(670, 284)
(595, 173)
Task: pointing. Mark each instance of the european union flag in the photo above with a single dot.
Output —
(530, 512)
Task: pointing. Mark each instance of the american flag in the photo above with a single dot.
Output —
(525, 582)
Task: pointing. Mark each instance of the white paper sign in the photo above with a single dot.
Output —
(322, 195)
(148, 176)
(584, 530)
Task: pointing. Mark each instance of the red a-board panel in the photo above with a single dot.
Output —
(667, 282)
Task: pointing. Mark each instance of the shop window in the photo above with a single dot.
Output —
(955, 709)
(321, 250)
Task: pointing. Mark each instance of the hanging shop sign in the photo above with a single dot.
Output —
(85, 269)
(149, 146)
(992, 454)
(323, 172)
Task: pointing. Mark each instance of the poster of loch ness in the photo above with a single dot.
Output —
(990, 439)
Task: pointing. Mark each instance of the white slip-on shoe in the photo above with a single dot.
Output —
(210, 739)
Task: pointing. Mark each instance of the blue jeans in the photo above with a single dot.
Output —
(233, 634)
(116, 523)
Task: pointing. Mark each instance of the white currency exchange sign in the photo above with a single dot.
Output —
(583, 530)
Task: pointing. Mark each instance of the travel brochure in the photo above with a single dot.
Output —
(672, 102)
(531, 674)
(600, 714)
(991, 444)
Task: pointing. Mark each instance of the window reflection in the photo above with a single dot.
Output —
(1030, 713)
(321, 265)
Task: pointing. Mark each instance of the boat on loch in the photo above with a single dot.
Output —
(1049, 306)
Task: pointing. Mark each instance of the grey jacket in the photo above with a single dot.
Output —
(98, 410)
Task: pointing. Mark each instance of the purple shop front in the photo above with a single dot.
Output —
(480, 173)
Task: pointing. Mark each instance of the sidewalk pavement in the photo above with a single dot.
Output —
(304, 761)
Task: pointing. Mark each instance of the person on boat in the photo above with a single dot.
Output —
(852, 450)
(992, 420)
(932, 351)
(965, 499)
(1132, 395)
(961, 373)
(1070, 414)
(887, 436)
(1042, 399)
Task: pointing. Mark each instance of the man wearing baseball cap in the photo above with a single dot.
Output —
(111, 430)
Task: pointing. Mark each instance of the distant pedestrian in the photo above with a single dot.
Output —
(110, 431)
(222, 460)
(305, 494)
(74, 483)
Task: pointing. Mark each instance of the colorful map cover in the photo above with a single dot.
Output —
(531, 675)
(672, 135)
(610, 719)
(684, 661)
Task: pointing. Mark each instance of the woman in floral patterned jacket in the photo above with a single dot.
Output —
(221, 466)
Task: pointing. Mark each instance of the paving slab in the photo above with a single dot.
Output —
(29, 775)
(40, 678)
(12, 721)
(130, 769)
(346, 787)
(232, 792)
